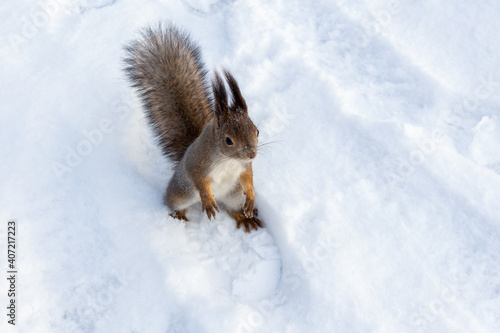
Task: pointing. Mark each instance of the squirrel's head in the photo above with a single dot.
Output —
(236, 133)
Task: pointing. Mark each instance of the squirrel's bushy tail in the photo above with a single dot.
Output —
(166, 69)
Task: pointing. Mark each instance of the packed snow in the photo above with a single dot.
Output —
(378, 180)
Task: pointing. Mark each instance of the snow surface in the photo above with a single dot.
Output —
(379, 185)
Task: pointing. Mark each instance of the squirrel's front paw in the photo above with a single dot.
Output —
(248, 207)
(209, 205)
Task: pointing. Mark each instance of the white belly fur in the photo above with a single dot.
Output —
(225, 176)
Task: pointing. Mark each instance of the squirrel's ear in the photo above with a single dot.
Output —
(238, 102)
(220, 95)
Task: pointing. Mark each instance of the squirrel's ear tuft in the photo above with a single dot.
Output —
(238, 102)
(220, 95)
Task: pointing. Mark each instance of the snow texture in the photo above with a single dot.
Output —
(379, 183)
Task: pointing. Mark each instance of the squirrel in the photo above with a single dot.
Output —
(210, 141)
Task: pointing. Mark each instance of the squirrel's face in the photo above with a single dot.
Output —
(238, 137)
(237, 134)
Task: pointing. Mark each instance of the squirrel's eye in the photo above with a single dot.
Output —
(257, 132)
(229, 142)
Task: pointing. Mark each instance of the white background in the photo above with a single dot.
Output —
(379, 185)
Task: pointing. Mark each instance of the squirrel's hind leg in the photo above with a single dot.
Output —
(247, 222)
(179, 214)
(178, 199)
(233, 204)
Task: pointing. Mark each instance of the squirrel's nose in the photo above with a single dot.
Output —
(252, 154)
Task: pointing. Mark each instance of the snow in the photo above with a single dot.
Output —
(379, 182)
